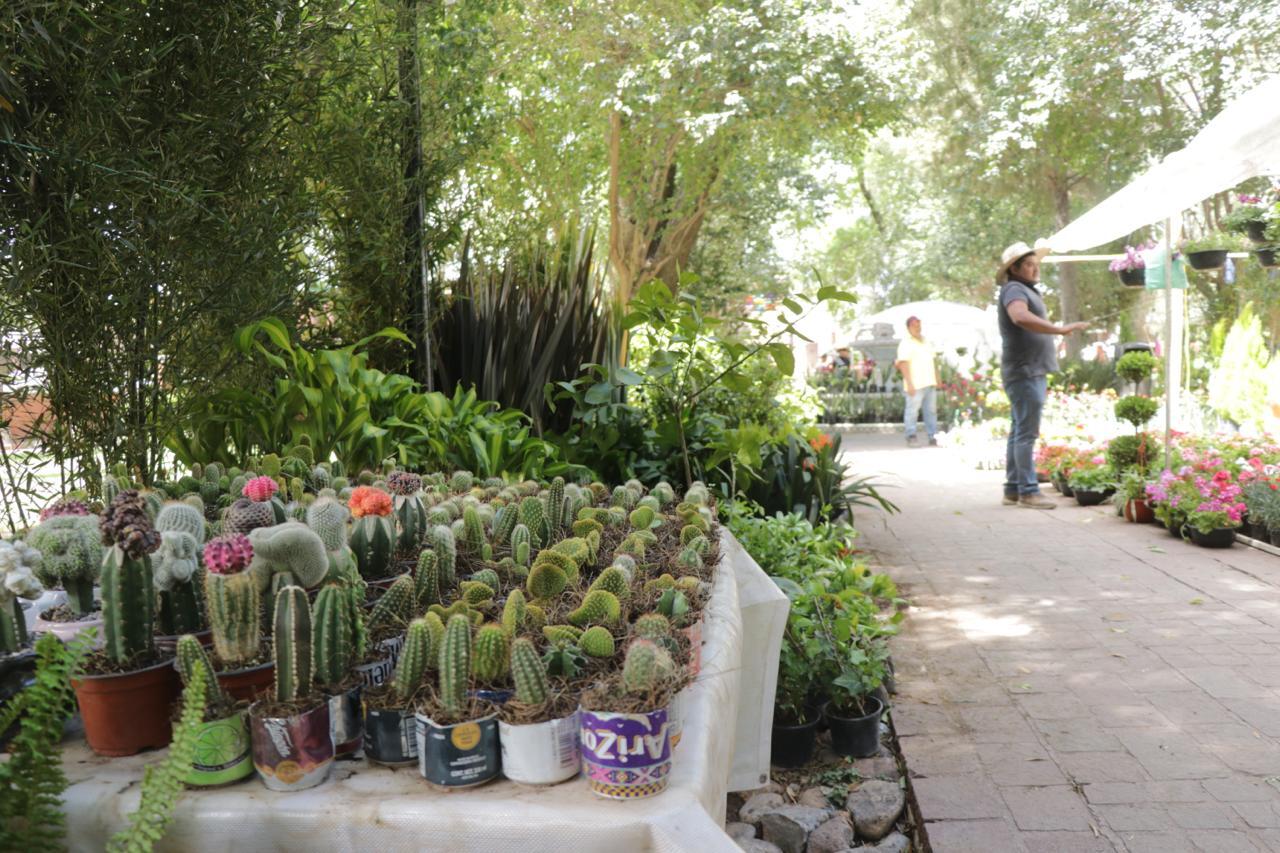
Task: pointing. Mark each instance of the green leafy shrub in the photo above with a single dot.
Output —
(1136, 410)
(1125, 452)
(1093, 478)
(1136, 366)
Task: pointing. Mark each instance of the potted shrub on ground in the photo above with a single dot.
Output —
(625, 731)
(457, 734)
(1214, 520)
(538, 729)
(71, 552)
(795, 716)
(1093, 483)
(292, 735)
(222, 746)
(127, 691)
(17, 580)
(853, 714)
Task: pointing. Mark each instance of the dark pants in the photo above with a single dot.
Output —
(1026, 400)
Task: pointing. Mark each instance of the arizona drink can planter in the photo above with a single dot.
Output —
(540, 753)
(390, 736)
(223, 754)
(292, 753)
(461, 755)
(347, 721)
(626, 756)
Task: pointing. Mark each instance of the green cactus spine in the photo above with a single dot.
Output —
(292, 637)
(561, 633)
(546, 580)
(598, 608)
(597, 642)
(473, 539)
(335, 629)
(455, 665)
(435, 629)
(373, 539)
(446, 548)
(191, 654)
(475, 593)
(560, 560)
(533, 516)
(328, 518)
(128, 594)
(555, 507)
(292, 551)
(689, 559)
(613, 580)
(641, 518)
(535, 618)
(488, 577)
(234, 604)
(652, 626)
(521, 545)
(396, 605)
(489, 662)
(411, 514)
(412, 667)
(513, 613)
(646, 668)
(426, 580)
(583, 527)
(504, 521)
(529, 673)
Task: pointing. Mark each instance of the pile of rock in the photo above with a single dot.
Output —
(768, 821)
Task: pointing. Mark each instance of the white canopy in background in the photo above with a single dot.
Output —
(1241, 142)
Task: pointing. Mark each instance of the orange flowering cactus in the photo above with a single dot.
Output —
(366, 500)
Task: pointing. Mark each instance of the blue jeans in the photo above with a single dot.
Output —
(1026, 400)
(928, 396)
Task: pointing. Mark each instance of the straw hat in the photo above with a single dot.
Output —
(1018, 250)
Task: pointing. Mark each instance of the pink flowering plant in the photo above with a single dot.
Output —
(1132, 259)
(1220, 505)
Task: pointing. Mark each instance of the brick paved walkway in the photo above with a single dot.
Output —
(1070, 682)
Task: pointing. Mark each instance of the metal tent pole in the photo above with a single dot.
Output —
(1168, 337)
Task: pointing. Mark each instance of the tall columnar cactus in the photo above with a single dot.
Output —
(426, 580)
(71, 553)
(555, 507)
(337, 634)
(504, 521)
(521, 545)
(128, 591)
(292, 638)
(529, 673)
(646, 668)
(395, 607)
(413, 660)
(446, 548)
(489, 663)
(288, 553)
(190, 654)
(373, 531)
(176, 565)
(410, 512)
(533, 516)
(473, 539)
(232, 598)
(455, 665)
(435, 629)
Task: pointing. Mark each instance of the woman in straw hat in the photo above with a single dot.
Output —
(1027, 358)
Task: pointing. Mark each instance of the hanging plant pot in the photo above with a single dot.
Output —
(1266, 257)
(292, 753)
(247, 684)
(1137, 511)
(540, 753)
(1256, 231)
(1091, 497)
(1208, 259)
(1133, 278)
(1223, 537)
(347, 721)
(125, 713)
(390, 736)
(626, 756)
(857, 737)
(461, 755)
(223, 753)
(793, 745)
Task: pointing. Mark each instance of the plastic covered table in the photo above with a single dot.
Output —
(725, 746)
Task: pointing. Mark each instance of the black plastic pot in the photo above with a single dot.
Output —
(857, 737)
(792, 746)
(1222, 538)
(1273, 536)
(1256, 231)
(1133, 278)
(1266, 257)
(1090, 497)
(1208, 259)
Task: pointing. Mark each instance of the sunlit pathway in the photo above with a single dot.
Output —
(1068, 681)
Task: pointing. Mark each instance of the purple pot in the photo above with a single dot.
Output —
(626, 756)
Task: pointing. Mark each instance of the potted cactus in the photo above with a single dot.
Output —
(234, 604)
(457, 734)
(257, 507)
(390, 729)
(222, 753)
(386, 628)
(373, 531)
(17, 580)
(538, 730)
(410, 512)
(624, 727)
(126, 693)
(291, 731)
(339, 639)
(70, 545)
(177, 572)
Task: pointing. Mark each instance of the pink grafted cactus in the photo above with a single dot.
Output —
(228, 555)
(70, 506)
(260, 489)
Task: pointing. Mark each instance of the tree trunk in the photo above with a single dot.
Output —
(415, 271)
(1068, 274)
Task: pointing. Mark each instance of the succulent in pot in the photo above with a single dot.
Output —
(339, 641)
(177, 569)
(71, 549)
(127, 691)
(410, 512)
(373, 531)
(390, 727)
(457, 734)
(538, 729)
(223, 754)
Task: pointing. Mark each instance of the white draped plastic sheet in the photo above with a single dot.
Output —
(725, 746)
(1241, 142)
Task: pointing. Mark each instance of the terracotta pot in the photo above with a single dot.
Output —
(1138, 511)
(128, 712)
(223, 753)
(292, 753)
(626, 756)
(246, 684)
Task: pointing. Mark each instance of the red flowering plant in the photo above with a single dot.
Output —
(1050, 456)
(1220, 505)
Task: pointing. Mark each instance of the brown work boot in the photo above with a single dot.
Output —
(1010, 500)
(1035, 502)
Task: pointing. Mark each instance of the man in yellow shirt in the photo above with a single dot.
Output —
(919, 381)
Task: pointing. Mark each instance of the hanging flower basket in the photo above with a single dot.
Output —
(1133, 278)
(1266, 257)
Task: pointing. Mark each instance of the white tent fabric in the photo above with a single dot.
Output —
(1241, 142)
(947, 325)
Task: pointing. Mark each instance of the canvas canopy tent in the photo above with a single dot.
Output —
(1241, 142)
